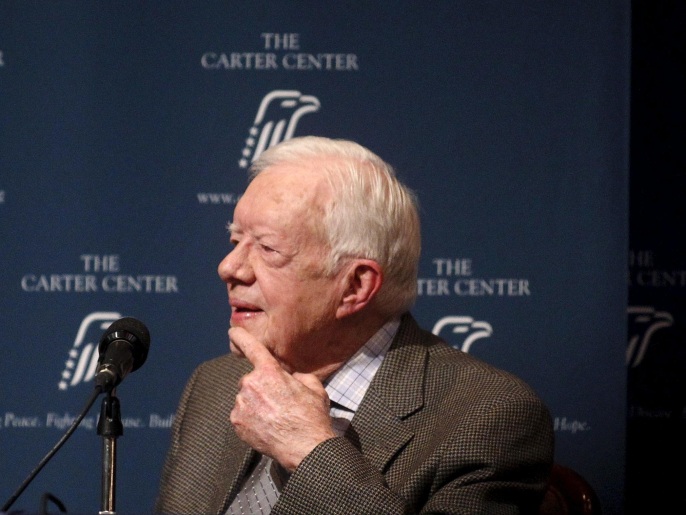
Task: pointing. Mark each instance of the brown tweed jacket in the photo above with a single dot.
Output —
(437, 432)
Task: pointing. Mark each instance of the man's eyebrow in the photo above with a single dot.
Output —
(232, 227)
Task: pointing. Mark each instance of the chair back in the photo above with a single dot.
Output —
(569, 493)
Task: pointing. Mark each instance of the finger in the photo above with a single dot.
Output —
(251, 347)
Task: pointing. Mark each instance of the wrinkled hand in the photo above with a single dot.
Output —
(279, 414)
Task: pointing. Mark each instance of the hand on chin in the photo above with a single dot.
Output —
(250, 326)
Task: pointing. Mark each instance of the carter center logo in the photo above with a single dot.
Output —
(82, 359)
(276, 120)
(463, 325)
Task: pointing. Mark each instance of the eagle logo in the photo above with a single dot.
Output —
(276, 120)
(464, 325)
(82, 359)
(644, 321)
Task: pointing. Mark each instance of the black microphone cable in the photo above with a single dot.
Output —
(96, 392)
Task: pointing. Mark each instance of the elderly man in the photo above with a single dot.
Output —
(332, 399)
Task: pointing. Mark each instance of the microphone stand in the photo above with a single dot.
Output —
(110, 428)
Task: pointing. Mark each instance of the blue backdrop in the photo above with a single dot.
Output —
(126, 131)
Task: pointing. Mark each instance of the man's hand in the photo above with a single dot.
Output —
(279, 414)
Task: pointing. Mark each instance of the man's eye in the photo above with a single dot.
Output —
(267, 248)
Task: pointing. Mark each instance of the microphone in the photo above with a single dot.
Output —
(123, 349)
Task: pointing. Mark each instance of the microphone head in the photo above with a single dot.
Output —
(131, 330)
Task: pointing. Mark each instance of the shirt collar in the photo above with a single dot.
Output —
(347, 386)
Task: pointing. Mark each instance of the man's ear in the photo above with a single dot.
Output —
(363, 281)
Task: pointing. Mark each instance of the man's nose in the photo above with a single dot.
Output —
(235, 267)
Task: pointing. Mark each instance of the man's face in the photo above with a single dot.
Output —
(276, 283)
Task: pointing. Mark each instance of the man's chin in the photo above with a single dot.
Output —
(253, 327)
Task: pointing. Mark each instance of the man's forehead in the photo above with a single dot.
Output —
(286, 187)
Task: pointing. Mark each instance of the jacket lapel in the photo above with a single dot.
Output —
(235, 460)
(395, 393)
(234, 469)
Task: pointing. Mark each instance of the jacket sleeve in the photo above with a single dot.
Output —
(494, 460)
